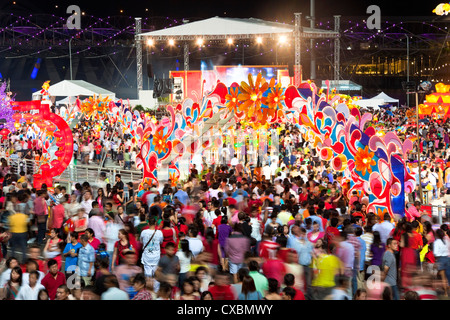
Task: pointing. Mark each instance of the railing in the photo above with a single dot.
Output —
(78, 173)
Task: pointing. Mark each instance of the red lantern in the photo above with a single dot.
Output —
(59, 153)
(55, 163)
(4, 132)
(51, 128)
(58, 134)
(59, 143)
(45, 167)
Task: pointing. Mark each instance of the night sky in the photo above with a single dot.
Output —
(282, 10)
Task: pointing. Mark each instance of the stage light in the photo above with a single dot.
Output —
(171, 42)
(282, 39)
(150, 42)
(200, 41)
(230, 41)
(259, 40)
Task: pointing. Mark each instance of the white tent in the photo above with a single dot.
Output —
(66, 100)
(74, 88)
(385, 98)
(218, 27)
(369, 103)
(376, 101)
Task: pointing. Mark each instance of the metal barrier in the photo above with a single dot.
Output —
(437, 210)
(78, 173)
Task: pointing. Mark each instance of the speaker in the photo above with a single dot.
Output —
(157, 88)
(149, 71)
(168, 86)
(291, 70)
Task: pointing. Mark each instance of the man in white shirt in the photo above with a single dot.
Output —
(384, 228)
(433, 177)
(31, 290)
(151, 240)
(195, 244)
(267, 172)
(87, 202)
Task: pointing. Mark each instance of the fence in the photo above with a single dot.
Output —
(78, 173)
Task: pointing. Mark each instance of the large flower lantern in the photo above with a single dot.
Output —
(55, 127)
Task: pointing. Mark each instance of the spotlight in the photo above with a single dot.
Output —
(259, 40)
(282, 39)
(200, 41)
(171, 42)
(230, 41)
(150, 42)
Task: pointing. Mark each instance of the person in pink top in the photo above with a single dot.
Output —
(97, 223)
(315, 234)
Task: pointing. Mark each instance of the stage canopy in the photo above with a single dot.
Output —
(342, 85)
(222, 28)
(74, 88)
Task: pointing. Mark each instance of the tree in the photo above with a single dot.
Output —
(139, 108)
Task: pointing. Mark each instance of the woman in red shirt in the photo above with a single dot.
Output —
(170, 234)
(120, 247)
(211, 246)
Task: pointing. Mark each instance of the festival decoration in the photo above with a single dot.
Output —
(6, 112)
(96, 107)
(46, 128)
(437, 104)
(373, 163)
(442, 9)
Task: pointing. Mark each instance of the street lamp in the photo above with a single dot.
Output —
(70, 57)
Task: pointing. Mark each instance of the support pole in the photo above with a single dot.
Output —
(297, 49)
(418, 147)
(138, 41)
(312, 25)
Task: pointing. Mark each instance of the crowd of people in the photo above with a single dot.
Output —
(286, 230)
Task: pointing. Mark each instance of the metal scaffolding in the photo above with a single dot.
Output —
(337, 49)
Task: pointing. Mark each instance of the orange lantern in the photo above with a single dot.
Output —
(28, 117)
(37, 117)
(17, 117)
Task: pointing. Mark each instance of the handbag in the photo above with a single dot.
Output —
(148, 242)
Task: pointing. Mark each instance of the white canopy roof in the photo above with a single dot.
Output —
(369, 103)
(218, 27)
(74, 88)
(385, 98)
